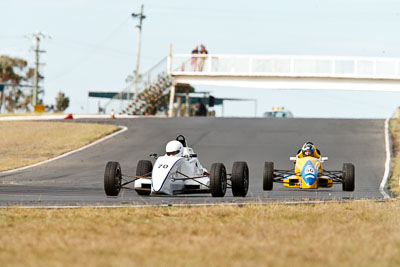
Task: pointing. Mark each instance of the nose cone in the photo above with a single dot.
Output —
(309, 173)
(163, 168)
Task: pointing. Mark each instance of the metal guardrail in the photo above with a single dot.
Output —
(285, 65)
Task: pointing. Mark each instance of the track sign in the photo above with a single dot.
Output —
(39, 108)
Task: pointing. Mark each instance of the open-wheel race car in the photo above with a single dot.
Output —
(309, 174)
(177, 172)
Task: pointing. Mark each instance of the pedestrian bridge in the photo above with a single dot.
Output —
(287, 71)
(264, 71)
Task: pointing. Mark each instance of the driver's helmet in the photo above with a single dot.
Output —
(307, 149)
(174, 148)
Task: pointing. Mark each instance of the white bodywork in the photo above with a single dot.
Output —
(176, 174)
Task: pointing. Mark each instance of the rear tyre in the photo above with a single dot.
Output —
(240, 179)
(268, 176)
(112, 178)
(218, 180)
(144, 168)
(348, 177)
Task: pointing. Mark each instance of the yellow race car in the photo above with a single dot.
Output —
(309, 174)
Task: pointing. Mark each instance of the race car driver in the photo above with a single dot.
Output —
(308, 150)
(174, 148)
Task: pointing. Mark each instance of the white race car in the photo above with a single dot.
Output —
(178, 172)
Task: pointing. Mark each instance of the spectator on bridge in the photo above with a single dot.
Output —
(193, 60)
(203, 52)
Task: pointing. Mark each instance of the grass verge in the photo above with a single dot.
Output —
(331, 234)
(395, 178)
(28, 142)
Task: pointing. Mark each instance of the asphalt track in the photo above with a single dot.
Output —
(78, 178)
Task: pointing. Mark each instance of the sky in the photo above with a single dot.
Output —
(93, 45)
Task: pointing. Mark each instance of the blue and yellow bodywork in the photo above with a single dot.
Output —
(308, 174)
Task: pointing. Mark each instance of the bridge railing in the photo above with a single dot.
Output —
(285, 65)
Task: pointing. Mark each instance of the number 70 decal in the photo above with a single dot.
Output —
(163, 166)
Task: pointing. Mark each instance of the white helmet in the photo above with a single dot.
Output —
(174, 148)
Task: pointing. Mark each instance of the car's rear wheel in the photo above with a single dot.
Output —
(112, 178)
(348, 175)
(218, 180)
(144, 168)
(268, 176)
(240, 179)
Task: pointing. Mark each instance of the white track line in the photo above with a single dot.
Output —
(122, 129)
(387, 163)
(313, 202)
(75, 116)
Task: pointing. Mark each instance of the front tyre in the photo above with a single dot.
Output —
(112, 178)
(218, 180)
(240, 179)
(144, 168)
(268, 176)
(348, 174)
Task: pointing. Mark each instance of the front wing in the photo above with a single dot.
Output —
(291, 179)
(129, 179)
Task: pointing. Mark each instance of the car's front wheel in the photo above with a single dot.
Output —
(268, 176)
(112, 178)
(348, 175)
(218, 182)
(240, 179)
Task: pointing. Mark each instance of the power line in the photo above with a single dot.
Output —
(79, 63)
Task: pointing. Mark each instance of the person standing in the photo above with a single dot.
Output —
(203, 57)
(200, 109)
(193, 60)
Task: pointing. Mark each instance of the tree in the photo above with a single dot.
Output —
(15, 75)
(62, 102)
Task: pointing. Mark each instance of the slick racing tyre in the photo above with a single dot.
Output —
(218, 180)
(348, 177)
(268, 176)
(240, 179)
(112, 178)
(144, 168)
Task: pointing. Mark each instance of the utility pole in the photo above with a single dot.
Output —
(141, 17)
(36, 37)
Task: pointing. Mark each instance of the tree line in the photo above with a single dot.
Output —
(16, 80)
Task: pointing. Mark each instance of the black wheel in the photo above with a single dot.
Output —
(112, 178)
(240, 179)
(348, 177)
(144, 168)
(268, 176)
(218, 180)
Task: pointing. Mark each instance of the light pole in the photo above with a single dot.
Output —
(141, 17)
